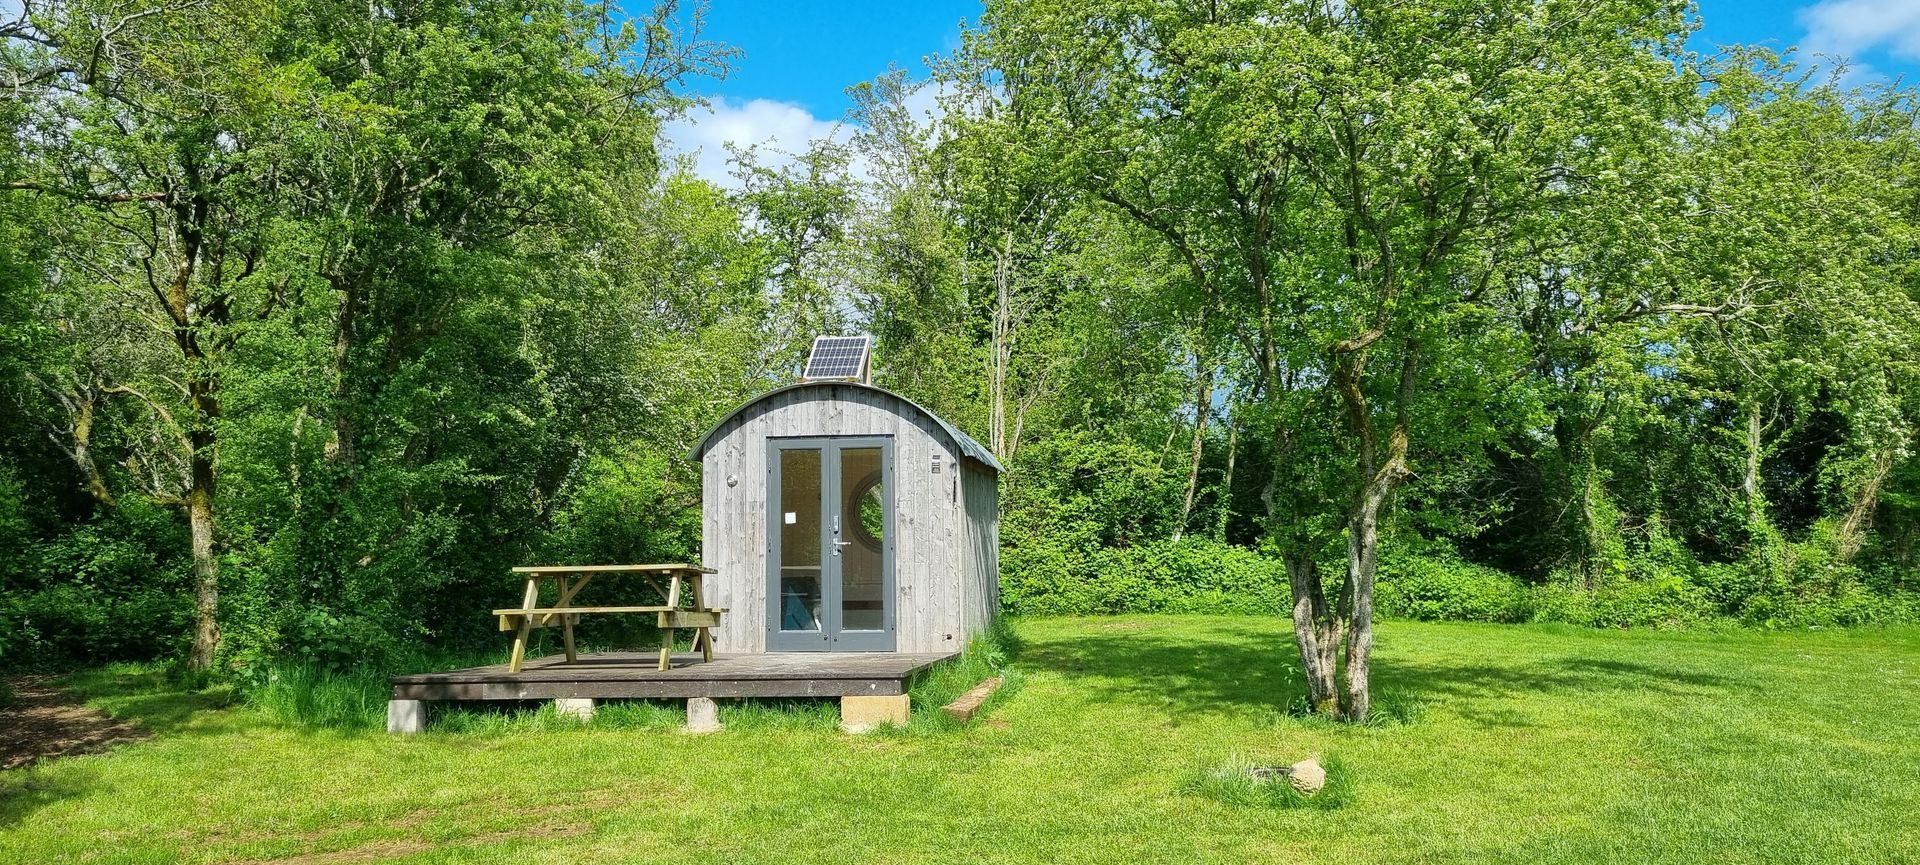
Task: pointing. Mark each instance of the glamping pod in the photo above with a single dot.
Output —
(842, 517)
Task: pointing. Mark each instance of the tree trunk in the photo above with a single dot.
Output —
(1853, 529)
(1750, 483)
(1363, 562)
(339, 449)
(1202, 409)
(1316, 630)
(201, 484)
(1002, 347)
(80, 407)
(206, 581)
(1594, 538)
(1379, 474)
(1226, 483)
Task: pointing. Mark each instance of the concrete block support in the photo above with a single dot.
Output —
(703, 715)
(573, 707)
(858, 714)
(406, 716)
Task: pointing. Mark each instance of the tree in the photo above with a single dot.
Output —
(268, 186)
(1343, 183)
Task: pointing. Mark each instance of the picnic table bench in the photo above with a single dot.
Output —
(684, 582)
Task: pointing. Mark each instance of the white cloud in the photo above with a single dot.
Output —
(781, 130)
(1841, 30)
(777, 126)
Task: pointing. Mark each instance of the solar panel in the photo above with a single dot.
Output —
(838, 357)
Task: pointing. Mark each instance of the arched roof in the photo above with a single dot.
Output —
(966, 444)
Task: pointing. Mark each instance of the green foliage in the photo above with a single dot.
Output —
(1432, 583)
(630, 504)
(111, 589)
(1087, 492)
(1194, 575)
(1646, 319)
(1441, 586)
(305, 695)
(1667, 601)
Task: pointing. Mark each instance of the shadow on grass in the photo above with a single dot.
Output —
(1243, 669)
(24, 791)
(1468, 689)
(154, 697)
(151, 696)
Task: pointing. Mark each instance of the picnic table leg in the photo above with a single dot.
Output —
(666, 634)
(702, 637)
(527, 602)
(566, 623)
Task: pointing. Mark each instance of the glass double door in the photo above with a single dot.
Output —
(830, 575)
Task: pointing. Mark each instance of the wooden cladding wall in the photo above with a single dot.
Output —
(945, 537)
(980, 493)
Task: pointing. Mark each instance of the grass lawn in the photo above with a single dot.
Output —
(1503, 744)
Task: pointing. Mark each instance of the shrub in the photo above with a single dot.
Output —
(1431, 587)
(1665, 601)
(103, 591)
(1191, 576)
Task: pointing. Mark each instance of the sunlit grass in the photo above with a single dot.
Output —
(1495, 744)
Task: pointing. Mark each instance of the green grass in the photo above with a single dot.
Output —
(1499, 744)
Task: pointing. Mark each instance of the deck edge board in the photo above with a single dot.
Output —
(618, 675)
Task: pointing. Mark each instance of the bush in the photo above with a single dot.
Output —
(1191, 576)
(1666, 601)
(1432, 587)
(1430, 582)
(100, 592)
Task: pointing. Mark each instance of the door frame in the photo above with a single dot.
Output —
(830, 637)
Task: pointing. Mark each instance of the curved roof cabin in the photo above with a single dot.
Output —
(843, 517)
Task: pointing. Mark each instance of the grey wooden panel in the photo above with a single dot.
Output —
(983, 529)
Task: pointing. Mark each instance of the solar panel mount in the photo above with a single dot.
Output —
(839, 358)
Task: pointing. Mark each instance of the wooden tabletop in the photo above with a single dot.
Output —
(610, 569)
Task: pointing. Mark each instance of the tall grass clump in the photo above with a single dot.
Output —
(313, 695)
(309, 696)
(1234, 783)
(990, 653)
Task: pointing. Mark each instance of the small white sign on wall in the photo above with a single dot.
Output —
(792, 518)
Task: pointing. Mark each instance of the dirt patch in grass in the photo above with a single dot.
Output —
(43, 721)
(539, 823)
(381, 851)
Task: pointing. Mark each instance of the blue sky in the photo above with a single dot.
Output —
(798, 58)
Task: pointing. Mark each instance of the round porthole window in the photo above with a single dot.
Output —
(870, 509)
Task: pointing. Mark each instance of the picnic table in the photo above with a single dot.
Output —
(683, 582)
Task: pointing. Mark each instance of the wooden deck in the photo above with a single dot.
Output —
(615, 675)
